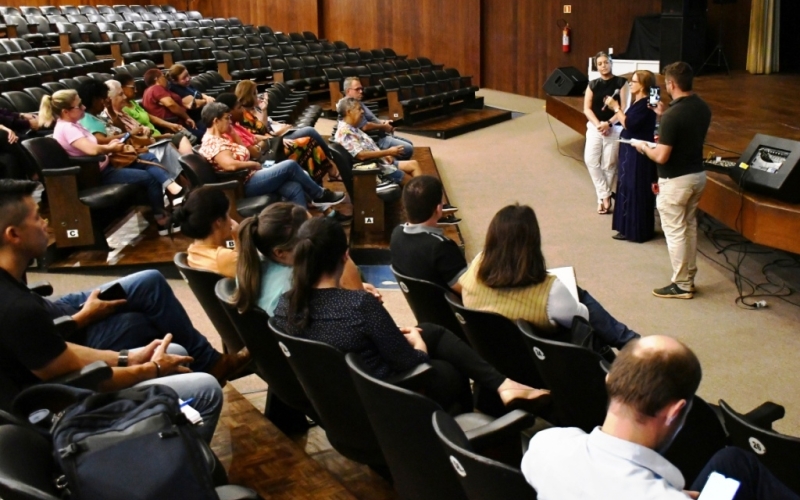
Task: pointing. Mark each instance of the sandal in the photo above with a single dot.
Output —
(601, 209)
(335, 178)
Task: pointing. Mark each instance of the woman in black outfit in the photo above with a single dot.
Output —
(14, 161)
(354, 321)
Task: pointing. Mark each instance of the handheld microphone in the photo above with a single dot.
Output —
(615, 94)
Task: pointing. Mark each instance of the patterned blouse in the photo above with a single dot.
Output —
(213, 145)
(356, 140)
(253, 124)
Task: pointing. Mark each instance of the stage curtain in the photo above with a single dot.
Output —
(763, 48)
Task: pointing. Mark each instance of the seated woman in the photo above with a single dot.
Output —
(14, 163)
(126, 105)
(166, 105)
(318, 308)
(65, 108)
(510, 278)
(304, 144)
(223, 147)
(266, 247)
(193, 99)
(304, 151)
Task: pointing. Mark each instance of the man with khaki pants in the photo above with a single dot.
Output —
(681, 177)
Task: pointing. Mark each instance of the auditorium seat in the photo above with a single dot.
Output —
(50, 10)
(51, 36)
(54, 87)
(22, 102)
(37, 93)
(21, 24)
(48, 74)
(27, 70)
(13, 80)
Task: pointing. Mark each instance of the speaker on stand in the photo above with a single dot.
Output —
(719, 52)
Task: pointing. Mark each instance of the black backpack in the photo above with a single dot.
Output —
(132, 444)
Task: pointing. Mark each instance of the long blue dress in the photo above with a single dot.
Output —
(634, 210)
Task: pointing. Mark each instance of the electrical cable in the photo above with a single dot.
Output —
(558, 145)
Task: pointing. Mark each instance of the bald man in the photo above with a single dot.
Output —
(651, 386)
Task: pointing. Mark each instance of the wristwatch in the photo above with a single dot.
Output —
(122, 360)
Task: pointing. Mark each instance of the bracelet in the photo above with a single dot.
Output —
(122, 360)
(158, 369)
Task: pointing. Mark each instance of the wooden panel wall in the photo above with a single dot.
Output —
(522, 42)
(446, 31)
(39, 3)
(735, 33)
(280, 15)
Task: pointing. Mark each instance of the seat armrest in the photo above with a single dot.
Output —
(65, 326)
(413, 379)
(237, 175)
(232, 184)
(61, 172)
(88, 377)
(509, 426)
(41, 288)
(82, 160)
(763, 416)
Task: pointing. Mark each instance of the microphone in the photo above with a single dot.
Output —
(615, 94)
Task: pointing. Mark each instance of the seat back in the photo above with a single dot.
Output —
(778, 452)
(427, 302)
(574, 376)
(202, 284)
(701, 436)
(324, 375)
(481, 478)
(28, 472)
(22, 101)
(497, 340)
(402, 422)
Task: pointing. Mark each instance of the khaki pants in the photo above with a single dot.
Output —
(677, 205)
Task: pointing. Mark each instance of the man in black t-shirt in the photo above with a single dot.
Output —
(419, 248)
(31, 351)
(681, 177)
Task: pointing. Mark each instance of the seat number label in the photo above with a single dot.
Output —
(72, 233)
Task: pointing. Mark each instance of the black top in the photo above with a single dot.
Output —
(354, 321)
(602, 89)
(427, 254)
(684, 126)
(27, 338)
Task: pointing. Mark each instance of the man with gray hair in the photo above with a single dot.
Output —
(370, 123)
(363, 148)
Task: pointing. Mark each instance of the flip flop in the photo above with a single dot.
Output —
(602, 210)
(335, 178)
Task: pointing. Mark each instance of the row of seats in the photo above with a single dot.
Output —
(38, 70)
(91, 9)
(425, 95)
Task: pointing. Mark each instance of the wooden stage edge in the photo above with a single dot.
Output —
(741, 105)
(461, 122)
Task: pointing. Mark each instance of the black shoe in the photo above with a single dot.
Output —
(177, 199)
(619, 236)
(673, 291)
(448, 208)
(328, 199)
(341, 218)
(448, 220)
(165, 229)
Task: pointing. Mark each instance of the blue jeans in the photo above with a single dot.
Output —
(152, 178)
(757, 482)
(286, 178)
(390, 141)
(151, 312)
(311, 132)
(611, 331)
(206, 395)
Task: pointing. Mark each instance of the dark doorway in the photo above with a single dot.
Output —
(790, 37)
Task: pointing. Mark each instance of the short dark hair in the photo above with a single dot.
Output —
(151, 75)
(124, 79)
(648, 379)
(201, 208)
(681, 74)
(90, 90)
(512, 253)
(420, 197)
(227, 98)
(12, 207)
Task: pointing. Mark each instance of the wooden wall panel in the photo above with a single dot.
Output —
(39, 3)
(522, 42)
(280, 15)
(736, 30)
(446, 31)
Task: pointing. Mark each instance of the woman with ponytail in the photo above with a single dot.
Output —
(318, 308)
(266, 254)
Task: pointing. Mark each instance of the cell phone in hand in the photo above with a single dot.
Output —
(125, 137)
(655, 96)
(114, 292)
(719, 487)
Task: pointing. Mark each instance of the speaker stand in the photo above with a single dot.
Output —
(719, 50)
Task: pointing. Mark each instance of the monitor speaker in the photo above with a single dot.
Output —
(683, 38)
(566, 81)
(684, 7)
(770, 165)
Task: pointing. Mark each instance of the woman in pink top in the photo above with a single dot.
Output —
(65, 107)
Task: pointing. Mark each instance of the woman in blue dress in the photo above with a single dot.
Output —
(634, 215)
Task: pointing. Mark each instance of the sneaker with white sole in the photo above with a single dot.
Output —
(673, 291)
(449, 209)
(449, 220)
(328, 199)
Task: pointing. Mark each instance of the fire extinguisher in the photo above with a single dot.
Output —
(566, 34)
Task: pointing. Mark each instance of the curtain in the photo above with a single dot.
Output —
(764, 43)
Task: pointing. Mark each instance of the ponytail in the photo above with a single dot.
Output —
(45, 112)
(248, 267)
(302, 281)
(51, 107)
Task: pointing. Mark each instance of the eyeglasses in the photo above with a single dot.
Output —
(79, 106)
(358, 89)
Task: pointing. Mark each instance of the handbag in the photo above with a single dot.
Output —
(273, 150)
(130, 152)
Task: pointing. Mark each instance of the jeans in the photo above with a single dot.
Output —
(677, 203)
(601, 155)
(390, 141)
(152, 178)
(288, 179)
(151, 312)
(611, 331)
(757, 482)
(311, 132)
(205, 393)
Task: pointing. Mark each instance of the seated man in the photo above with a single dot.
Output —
(30, 349)
(370, 123)
(149, 312)
(419, 248)
(650, 389)
(363, 148)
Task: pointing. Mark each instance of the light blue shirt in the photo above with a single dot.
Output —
(276, 279)
(568, 464)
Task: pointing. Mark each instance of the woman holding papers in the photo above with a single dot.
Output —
(510, 278)
(634, 215)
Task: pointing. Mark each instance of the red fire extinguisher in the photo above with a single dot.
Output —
(566, 34)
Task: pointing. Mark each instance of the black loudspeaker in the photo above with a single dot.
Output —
(566, 81)
(684, 7)
(683, 38)
(772, 167)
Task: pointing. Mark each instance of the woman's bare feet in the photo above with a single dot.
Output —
(514, 394)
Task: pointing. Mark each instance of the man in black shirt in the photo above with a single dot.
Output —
(681, 177)
(419, 248)
(31, 351)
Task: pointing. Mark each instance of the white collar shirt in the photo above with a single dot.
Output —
(568, 464)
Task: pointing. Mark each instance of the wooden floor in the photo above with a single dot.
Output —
(461, 122)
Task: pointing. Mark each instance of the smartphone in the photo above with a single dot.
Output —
(719, 487)
(655, 96)
(114, 292)
(125, 137)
